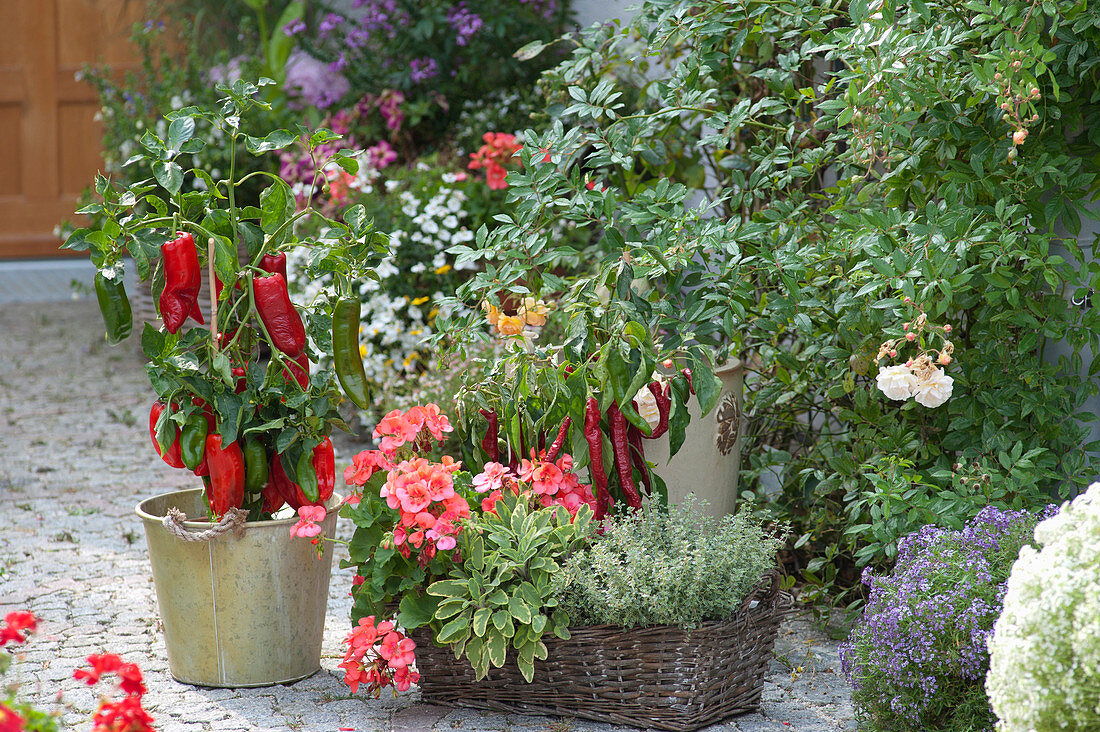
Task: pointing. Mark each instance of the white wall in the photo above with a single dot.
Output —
(588, 12)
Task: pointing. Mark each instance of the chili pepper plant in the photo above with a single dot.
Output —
(236, 402)
(617, 368)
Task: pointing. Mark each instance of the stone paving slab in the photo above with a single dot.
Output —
(74, 461)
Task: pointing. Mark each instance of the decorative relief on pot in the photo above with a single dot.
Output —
(729, 424)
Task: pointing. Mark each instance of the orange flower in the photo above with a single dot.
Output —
(510, 325)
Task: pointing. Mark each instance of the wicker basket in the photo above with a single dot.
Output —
(662, 677)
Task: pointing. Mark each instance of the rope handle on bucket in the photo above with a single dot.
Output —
(233, 520)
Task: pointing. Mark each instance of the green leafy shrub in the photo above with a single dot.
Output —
(856, 168)
(659, 566)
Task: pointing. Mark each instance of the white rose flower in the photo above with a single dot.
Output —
(933, 391)
(896, 382)
(647, 407)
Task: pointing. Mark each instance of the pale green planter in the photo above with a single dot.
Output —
(701, 467)
(238, 612)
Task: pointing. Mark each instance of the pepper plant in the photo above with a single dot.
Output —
(620, 341)
(236, 404)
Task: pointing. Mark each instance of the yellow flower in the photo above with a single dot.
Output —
(418, 331)
(534, 311)
(510, 325)
(421, 300)
(443, 270)
(362, 351)
(411, 357)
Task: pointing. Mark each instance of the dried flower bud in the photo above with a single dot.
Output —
(1019, 136)
(910, 337)
(944, 359)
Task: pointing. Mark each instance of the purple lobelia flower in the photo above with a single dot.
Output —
(918, 658)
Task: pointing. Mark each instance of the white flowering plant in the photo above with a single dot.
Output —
(1044, 670)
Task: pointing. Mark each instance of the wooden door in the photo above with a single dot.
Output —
(49, 138)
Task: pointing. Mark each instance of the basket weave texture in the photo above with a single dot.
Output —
(662, 677)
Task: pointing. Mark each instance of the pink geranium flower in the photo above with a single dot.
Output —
(430, 417)
(394, 430)
(364, 465)
(491, 478)
(308, 516)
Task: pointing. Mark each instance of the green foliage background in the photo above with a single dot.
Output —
(846, 155)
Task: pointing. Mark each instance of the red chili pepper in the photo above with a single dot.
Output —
(298, 369)
(663, 397)
(274, 263)
(286, 488)
(620, 445)
(226, 489)
(182, 280)
(637, 456)
(241, 383)
(489, 442)
(687, 374)
(281, 319)
(324, 465)
(556, 445)
(172, 455)
(594, 438)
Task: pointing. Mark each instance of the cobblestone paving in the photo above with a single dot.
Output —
(74, 461)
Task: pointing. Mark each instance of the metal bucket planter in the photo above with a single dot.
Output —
(238, 611)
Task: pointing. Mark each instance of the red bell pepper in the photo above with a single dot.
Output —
(281, 319)
(227, 474)
(182, 279)
(298, 369)
(172, 455)
(274, 263)
(286, 488)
